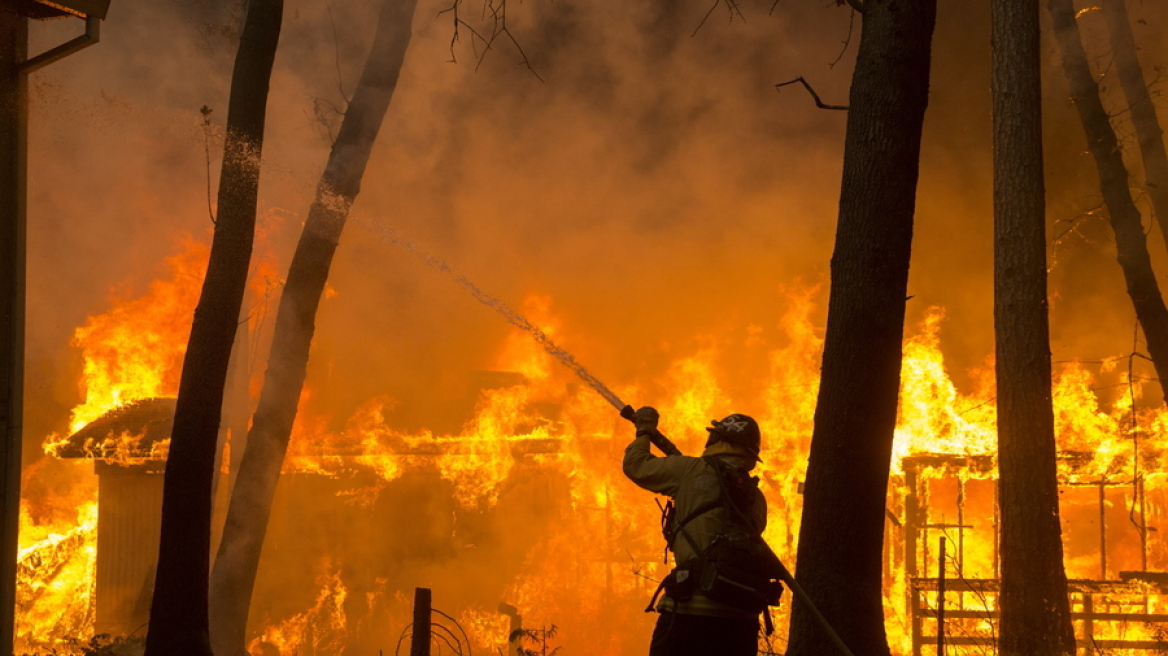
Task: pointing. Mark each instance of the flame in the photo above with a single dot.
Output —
(482, 460)
(370, 425)
(130, 353)
(56, 572)
(320, 629)
(135, 350)
(933, 416)
(487, 629)
(791, 393)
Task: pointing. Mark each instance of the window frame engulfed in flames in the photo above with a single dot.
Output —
(1095, 603)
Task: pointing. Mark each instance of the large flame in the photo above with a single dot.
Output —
(135, 350)
(56, 573)
(526, 504)
(320, 629)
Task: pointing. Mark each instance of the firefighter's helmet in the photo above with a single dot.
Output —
(737, 429)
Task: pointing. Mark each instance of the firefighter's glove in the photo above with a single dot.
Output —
(646, 420)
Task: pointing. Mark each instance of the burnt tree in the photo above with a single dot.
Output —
(1131, 244)
(178, 612)
(1143, 112)
(1036, 619)
(237, 561)
(842, 530)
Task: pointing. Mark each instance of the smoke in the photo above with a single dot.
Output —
(654, 184)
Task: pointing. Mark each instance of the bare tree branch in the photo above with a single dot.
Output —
(494, 11)
(731, 7)
(323, 116)
(337, 54)
(818, 103)
(1073, 224)
(455, 37)
(847, 41)
(498, 12)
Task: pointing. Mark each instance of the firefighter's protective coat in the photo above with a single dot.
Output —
(692, 483)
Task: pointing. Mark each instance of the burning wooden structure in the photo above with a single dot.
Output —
(127, 446)
(332, 497)
(950, 507)
(1118, 598)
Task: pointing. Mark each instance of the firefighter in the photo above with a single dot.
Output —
(689, 622)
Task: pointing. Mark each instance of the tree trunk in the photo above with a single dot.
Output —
(842, 531)
(1035, 609)
(1143, 112)
(1130, 242)
(178, 612)
(237, 561)
(13, 219)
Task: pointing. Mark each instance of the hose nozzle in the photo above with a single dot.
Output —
(660, 441)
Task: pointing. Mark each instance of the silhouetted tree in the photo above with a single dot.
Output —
(1035, 618)
(178, 613)
(842, 531)
(1131, 244)
(237, 561)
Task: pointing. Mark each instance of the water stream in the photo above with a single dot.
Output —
(498, 305)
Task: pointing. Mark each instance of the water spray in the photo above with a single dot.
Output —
(626, 411)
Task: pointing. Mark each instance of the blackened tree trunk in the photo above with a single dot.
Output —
(842, 530)
(1130, 242)
(178, 612)
(1143, 111)
(1035, 609)
(13, 155)
(237, 560)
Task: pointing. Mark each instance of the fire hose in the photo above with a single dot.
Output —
(670, 449)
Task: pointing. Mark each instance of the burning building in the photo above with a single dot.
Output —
(948, 542)
(518, 500)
